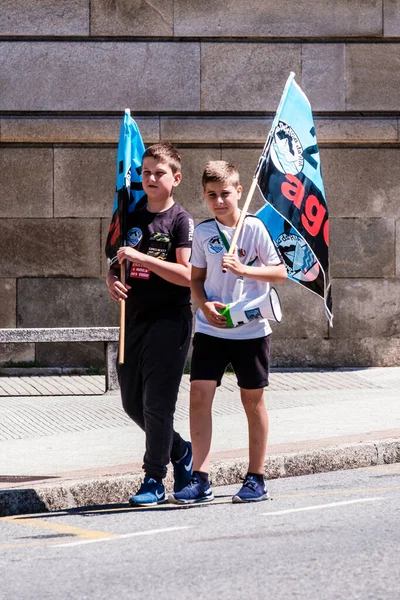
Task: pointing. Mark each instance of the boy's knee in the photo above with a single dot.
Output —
(134, 412)
(252, 398)
(202, 392)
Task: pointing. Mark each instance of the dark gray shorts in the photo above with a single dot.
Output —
(249, 360)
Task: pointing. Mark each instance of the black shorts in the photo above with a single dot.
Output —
(249, 359)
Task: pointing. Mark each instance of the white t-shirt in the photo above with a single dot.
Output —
(208, 248)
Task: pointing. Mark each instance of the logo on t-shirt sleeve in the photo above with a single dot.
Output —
(191, 230)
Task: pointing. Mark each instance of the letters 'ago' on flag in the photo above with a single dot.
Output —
(129, 194)
(289, 178)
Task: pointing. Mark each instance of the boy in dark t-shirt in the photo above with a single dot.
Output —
(158, 320)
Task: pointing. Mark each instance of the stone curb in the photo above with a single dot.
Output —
(44, 371)
(116, 489)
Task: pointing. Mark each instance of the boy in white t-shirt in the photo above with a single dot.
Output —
(249, 271)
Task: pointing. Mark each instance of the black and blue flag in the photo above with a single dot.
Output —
(290, 180)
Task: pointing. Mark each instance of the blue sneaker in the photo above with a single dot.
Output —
(194, 492)
(251, 491)
(151, 492)
(183, 469)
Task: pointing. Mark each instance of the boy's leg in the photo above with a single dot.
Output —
(201, 399)
(149, 398)
(250, 360)
(163, 361)
(129, 373)
(131, 384)
(209, 360)
(207, 368)
(257, 420)
(198, 488)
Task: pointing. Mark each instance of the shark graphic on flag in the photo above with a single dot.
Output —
(289, 178)
(129, 194)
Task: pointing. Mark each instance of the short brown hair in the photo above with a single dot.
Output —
(165, 152)
(221, 171)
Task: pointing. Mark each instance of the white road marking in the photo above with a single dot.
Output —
(321, 506)
(118, 537)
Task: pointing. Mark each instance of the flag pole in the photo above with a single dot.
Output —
(121, 349)
(242, 215)
(241, 218)
(123, 205)
(248, 200)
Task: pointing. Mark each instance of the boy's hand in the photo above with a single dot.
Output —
(128, 253)
(213, 316)
(116, 290)
(232, 262)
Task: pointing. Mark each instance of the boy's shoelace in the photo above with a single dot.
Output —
(250, 484)
(193, 481)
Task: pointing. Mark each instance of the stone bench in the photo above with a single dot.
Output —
(108, 335)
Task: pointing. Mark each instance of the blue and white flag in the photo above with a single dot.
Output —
(290, 180)
(129, 194)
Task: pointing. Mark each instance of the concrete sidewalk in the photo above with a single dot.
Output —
(64, 444)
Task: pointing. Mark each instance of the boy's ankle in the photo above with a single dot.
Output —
(203, 477)
(155, 477)
(260, 476)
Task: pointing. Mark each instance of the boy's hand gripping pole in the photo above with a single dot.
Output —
(242, 217)
(121, 350)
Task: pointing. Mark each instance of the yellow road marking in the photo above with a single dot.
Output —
(59, 528)
(124, 536)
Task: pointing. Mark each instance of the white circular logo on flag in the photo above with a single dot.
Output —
(299, 259)
(286, 149)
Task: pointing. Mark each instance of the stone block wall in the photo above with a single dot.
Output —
(207, 76)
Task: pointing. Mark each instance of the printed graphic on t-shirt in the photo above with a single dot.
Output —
(139, 272)
(134, 236)
(159, 244)
(215, 245)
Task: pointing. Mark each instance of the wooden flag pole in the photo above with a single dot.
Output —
(121, 352)
(242, 217)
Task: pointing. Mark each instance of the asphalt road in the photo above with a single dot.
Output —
(326, 536)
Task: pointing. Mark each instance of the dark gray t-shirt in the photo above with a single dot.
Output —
(158, 235)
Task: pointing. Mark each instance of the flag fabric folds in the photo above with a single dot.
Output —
(129, 194)
(289, 178)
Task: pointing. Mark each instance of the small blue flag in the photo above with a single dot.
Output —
(129, 194)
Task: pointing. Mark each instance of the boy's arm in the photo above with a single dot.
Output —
(177, 273)
(269, 274)
(209, 309)
(272, 270)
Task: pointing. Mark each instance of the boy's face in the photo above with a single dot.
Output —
(158, 179)
(222, 199)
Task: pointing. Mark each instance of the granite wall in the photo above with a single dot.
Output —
(207, 76)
